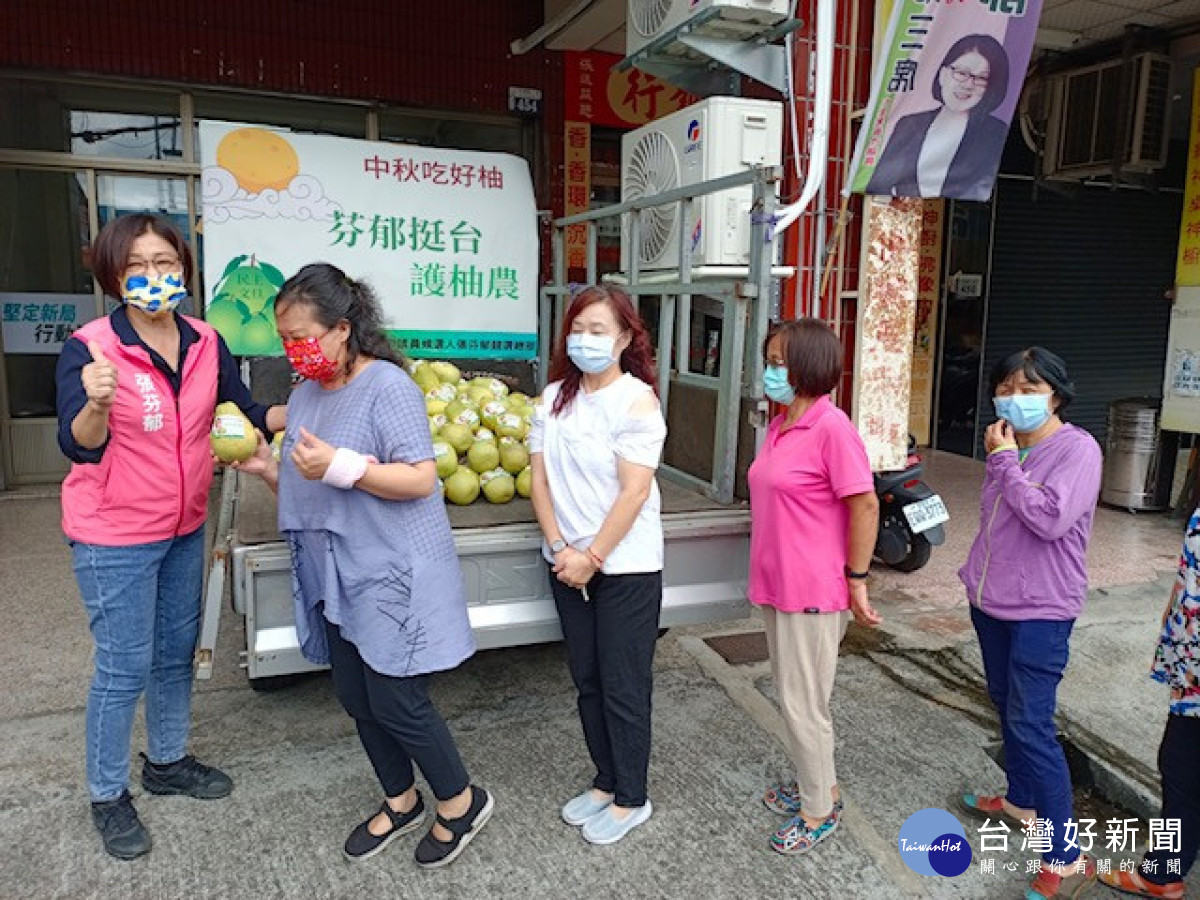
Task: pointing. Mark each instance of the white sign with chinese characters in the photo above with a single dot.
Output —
(447, 238)
(41, 323)
(1181, 387)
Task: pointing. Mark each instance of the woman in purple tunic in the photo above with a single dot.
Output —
(378, 590)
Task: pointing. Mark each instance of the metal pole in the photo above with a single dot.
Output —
(666, 324)
(635, 250)
(592, 276)
(725, 446)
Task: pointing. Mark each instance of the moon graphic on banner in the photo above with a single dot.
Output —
(258, 159)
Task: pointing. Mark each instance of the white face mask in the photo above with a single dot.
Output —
(591, 353)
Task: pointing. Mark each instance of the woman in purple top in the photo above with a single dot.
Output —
(1026, 579)
(378, 589)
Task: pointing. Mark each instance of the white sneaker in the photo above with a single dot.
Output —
(579, 809)
(606, 828)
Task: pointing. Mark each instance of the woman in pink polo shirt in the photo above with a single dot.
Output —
(815, 518)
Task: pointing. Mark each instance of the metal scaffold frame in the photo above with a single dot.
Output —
(744, 294)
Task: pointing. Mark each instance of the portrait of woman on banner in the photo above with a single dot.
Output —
(954, 149)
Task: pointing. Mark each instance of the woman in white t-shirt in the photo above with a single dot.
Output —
(596, 439)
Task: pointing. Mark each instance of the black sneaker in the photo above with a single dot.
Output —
(187, 776)
(124, 835)
(363, 845)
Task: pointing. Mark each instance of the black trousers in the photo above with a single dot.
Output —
(397, 723)
(1179, 765)
(610, 650)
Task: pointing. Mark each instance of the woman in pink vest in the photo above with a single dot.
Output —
(136, 395)
(814, 522)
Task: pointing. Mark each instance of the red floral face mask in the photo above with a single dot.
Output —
(309, 360)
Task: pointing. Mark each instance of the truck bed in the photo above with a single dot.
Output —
(505, 577)
(256, 521)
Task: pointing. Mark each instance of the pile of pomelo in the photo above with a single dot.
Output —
(480, 430)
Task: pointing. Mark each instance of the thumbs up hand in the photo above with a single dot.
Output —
(99, 378)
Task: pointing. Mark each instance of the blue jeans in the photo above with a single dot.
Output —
(143, 604)
(1024, 662)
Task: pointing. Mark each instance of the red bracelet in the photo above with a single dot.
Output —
(597, 561)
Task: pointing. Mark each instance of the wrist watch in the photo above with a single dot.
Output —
(558, 546)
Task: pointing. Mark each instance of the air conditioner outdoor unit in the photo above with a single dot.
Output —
(1084, 118)
(715, 137)
(647, 20)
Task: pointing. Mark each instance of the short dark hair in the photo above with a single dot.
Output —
(813, 353)
(1040, 366)
(110, 250)
(991, 50)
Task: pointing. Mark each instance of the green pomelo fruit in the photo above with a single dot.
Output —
(433, 407)
(467, 417)
(446, 457)
(516, 398)
(479, 396)
(491, 411)
(457, 436)
(511, 425)
(455, 406)
(483, 456)
(426, 379)
(462, 487)
(443, 392)
(514, 457)
(498, 486)
(447, 372)
(232, 437)
(525, 482)
(485, 434)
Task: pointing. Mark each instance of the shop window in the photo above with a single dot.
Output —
(126, 135)
(115, 121)
(44, 230)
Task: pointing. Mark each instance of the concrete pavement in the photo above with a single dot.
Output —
(912, 729)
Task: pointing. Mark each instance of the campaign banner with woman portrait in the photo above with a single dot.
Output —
(943, 95)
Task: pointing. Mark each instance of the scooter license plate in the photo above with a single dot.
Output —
(926, 514)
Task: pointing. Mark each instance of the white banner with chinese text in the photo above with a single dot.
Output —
(447, 238)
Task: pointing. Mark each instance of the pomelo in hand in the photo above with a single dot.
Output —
(232, 438)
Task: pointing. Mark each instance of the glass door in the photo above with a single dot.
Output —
(964, 317)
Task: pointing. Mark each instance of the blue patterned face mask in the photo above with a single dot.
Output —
(154, 293)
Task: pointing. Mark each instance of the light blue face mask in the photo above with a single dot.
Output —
(591, 353)
(776, 386)
(1024, 412)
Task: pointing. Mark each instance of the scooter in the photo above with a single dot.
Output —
(911, 516)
